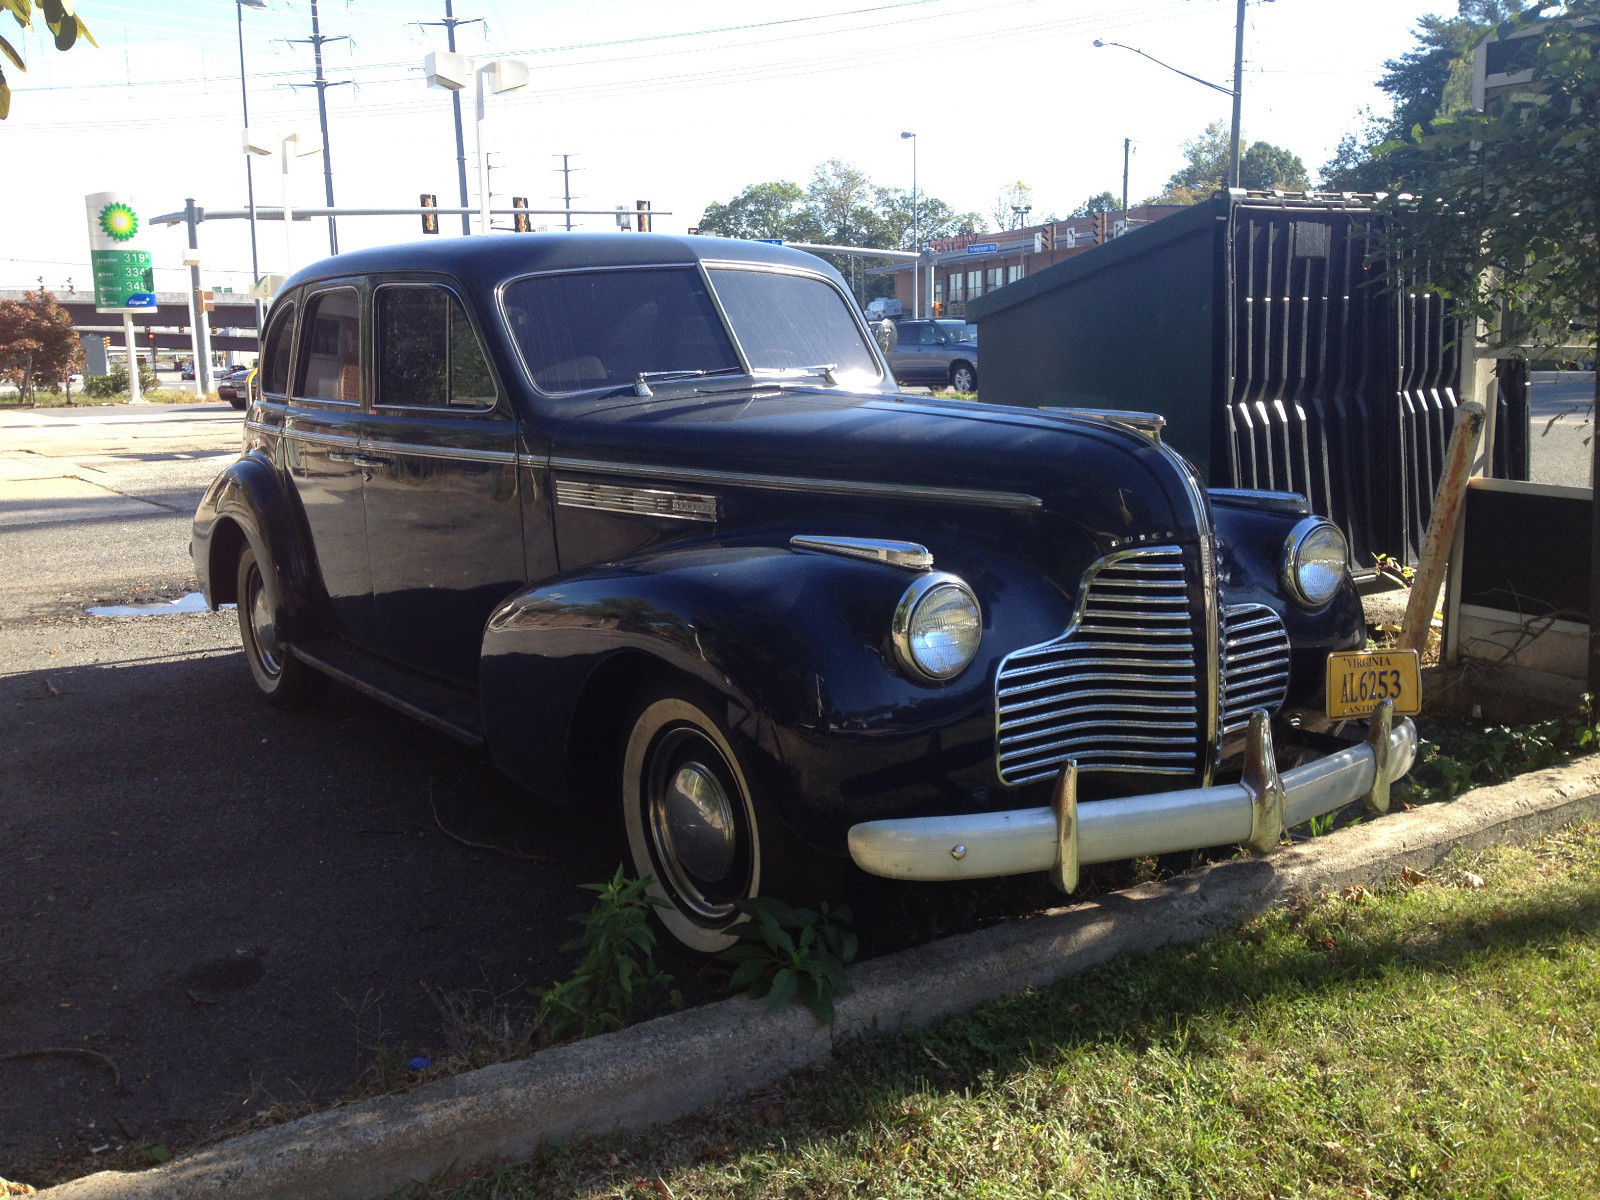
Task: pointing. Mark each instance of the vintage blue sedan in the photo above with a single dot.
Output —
(646, 517)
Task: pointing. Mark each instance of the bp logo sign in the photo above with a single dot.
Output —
(119, 222)
(123, 278)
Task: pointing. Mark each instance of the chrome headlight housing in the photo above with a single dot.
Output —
(937, 627)
(1316, 560)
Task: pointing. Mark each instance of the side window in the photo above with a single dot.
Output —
(275, 355)
(428, 354)
(330, 347)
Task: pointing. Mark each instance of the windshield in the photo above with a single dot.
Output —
(785, 322)
(957, 331)
(580, 330)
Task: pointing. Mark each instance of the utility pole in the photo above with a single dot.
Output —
(322, 84)
(1238, 84)
(1127, 148)
(450, 22)
(566, 188)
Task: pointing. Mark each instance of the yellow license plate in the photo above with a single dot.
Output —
(1359, 679)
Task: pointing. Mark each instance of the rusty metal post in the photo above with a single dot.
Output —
(1441, 526)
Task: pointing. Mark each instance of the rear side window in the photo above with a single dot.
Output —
(275, 355)
(330, 347)
(428, 354)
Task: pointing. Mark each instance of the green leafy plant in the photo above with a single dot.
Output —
(1392, 568)
(115, 383)
(617, 977)
(1494, 753)
(786, 953)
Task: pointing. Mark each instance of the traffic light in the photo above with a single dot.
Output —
(938, 308)
(207, 302)
(1099, 229)
(1049, 237)
(521, 221)
(430, 221)
(643, 206)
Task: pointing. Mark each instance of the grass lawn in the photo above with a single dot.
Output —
(1440, 1038)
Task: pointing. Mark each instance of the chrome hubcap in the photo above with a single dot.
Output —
(691, 810)
(262, 630)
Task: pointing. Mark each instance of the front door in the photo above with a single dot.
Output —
(444, 518)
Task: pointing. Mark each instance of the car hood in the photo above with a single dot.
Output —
(1117, 484)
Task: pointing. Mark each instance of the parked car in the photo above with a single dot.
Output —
(646, 517)
(937, 353)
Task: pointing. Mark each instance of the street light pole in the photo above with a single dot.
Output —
(916, 225)
(249, 162)
(1238, 86)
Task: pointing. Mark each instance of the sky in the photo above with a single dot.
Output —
(682, 104)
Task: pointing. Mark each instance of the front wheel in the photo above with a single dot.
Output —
(964, 377)
(281, 678)
(692, 821)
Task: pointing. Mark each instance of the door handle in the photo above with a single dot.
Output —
(368, 460)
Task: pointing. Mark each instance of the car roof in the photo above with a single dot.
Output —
(487, 260)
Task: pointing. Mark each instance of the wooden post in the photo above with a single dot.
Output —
(1441, 526)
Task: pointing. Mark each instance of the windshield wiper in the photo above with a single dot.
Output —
(825, 370)
(641, 382)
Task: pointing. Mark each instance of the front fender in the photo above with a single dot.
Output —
(799, 640)
(1251, 539)
(247, 497)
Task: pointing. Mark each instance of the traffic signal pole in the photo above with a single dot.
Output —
(192, 216)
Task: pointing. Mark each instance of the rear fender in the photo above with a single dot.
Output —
(246, 506)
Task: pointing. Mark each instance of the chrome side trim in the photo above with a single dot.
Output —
(802, 483)
(652, 502)
(909, 555)
(455, 453)
(1027, 840)
(1145, 424)
(321, 439)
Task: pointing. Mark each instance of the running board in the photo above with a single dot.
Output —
(447, 710)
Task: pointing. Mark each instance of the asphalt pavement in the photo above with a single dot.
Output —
(1561, 426)
(235, 907)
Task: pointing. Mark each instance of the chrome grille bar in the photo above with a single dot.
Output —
(1255, 663)
(1118, 691)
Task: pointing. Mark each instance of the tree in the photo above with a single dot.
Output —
(1261, 165)
(37, 341)
(763, 210)
(1433, 79)
(1011, 205)
(1505, 207)
(65, 27)
(1103, 202)
(935, 218)
(840, 205)
(1266, 166)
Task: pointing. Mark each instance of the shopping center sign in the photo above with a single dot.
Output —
(123, 278)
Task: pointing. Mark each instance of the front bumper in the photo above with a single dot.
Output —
(1056, 840)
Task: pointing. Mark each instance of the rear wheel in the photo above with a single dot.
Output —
(693, 821)
(964, 377)
(281, 678)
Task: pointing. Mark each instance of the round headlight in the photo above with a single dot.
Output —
(937, 627)
(1315, 561)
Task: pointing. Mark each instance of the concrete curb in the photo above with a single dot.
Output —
(675, 1065)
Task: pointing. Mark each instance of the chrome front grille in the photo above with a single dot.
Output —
(1255, 663)
(1118, 690)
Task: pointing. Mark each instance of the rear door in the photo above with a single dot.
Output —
(444, 518)
(322, 449)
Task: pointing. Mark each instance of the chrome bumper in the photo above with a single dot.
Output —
(1254, 812)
